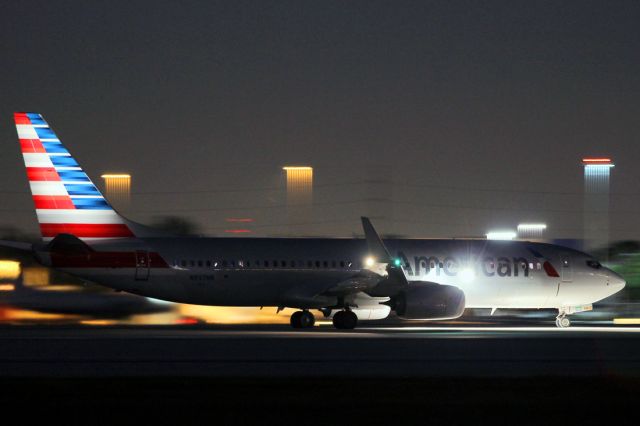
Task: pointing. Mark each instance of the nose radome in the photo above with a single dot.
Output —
(616, 280)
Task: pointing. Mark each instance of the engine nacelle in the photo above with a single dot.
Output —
(429, 301)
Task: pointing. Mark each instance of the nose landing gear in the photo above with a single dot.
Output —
(562, 321)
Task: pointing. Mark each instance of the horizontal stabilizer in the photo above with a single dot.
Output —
(16, 245)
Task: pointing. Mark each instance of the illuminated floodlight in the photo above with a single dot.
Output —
(369, 261)
(116, 176)
(118, 188)
(501, 235)
(598, 162)
(467, 275)
(300, 168)
(531, 230)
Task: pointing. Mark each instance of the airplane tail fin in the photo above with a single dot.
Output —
(65, 198)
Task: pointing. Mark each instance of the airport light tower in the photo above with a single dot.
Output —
(118, 189)
(299, 196)
(596, 202)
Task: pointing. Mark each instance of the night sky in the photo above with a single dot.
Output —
(456, 116)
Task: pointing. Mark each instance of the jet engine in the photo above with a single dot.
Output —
(428, 301)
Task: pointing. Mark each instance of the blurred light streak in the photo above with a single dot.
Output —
(623, 321)
(99, 322)
(235, 315)
(7, 287)
(501, 235)
(9, 269)
(35, 276)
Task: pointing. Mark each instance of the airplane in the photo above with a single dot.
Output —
(347, 279)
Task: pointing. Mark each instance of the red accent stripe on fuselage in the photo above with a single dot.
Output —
(85, 230)
(106, 259)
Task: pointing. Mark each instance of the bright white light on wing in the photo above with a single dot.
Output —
(467, 275)
(369, 261)
(501, 235)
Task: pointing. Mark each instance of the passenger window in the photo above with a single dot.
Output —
(325, 264)
(342, 263)
(208, 263)
(184, 263)
(192, 263)
(317, 263)
(199, 263)
(333, 263)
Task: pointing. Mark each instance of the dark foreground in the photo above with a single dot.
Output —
(258, 375)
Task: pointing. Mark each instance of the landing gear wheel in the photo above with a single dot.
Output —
(295, 319)
(563, 322)
(302, 319)
(307, 320)
(345, 320)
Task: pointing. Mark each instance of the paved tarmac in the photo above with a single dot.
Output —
(280, 352)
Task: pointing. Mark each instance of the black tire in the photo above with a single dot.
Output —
(338, 320)
(296, 319)
(345, 320)
(350, 320)
(307, 320)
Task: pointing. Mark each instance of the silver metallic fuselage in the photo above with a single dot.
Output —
(297, 272)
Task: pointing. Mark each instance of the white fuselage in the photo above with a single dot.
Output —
(298, 272)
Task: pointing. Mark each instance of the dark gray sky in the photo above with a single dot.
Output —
(476, 113)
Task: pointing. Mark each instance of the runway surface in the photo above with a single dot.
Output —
(280, 352)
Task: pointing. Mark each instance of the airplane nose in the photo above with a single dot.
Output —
(615, 280)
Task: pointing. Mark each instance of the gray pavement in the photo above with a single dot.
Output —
(279, 352)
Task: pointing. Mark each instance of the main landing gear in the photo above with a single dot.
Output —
(342, 320)
(345, 320)
(302, 319)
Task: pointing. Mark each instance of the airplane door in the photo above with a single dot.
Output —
(142, 265)
(567, 271)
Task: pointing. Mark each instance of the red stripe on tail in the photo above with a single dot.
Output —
(31, 146)
(21, 118)
(53, 202)
(47, 174)
(84, 230)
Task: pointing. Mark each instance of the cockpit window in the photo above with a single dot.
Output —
(594, 264)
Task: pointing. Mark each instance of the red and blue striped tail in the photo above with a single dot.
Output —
(66, 200)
